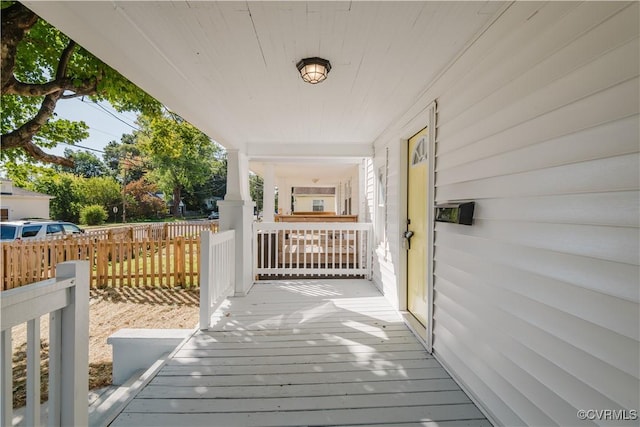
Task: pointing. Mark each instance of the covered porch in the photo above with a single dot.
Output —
(533, 309)
(305, 352)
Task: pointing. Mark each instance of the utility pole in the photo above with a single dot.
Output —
(124, 183)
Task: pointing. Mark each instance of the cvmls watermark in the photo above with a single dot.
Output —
(608, 414)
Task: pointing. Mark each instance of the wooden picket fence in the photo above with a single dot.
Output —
(154, 231)
(138, 256)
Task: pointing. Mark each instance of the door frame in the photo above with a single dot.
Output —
(426, 117)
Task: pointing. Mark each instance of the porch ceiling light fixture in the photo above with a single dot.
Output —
(313, 70)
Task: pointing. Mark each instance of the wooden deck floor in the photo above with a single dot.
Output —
(329, 352)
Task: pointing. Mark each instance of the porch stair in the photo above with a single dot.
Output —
(306, 352)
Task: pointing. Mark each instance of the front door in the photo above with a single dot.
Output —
(417, 186)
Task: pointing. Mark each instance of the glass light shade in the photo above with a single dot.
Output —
(314, 70)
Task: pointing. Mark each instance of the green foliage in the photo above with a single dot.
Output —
(124, 160)
(181, 155)
(256, 186)
(102, 190)
(70, 192)
(24, 175)
(37, 59)
(86, 164)
(65, 205)
(93, 215)
(142, 201)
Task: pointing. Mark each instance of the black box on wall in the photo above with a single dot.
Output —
(455, 213)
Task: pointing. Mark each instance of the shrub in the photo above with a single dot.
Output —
(93, 215)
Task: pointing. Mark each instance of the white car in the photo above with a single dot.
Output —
(21, 230)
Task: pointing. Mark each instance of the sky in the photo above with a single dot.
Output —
(105, 124)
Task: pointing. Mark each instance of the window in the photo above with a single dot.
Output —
(71, 229)
(381, 211)
(54, 229)
(4, 214)
(382, 191)
(30, 230)
(318, 205)
(419, 154)
(7, 232)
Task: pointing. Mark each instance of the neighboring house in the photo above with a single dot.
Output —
(181, 207)
(17, 203)
(528, 109)
(314, 199)
(211, 203)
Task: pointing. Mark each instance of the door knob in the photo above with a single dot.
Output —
(407, 239)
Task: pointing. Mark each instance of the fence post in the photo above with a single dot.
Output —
(179, 260)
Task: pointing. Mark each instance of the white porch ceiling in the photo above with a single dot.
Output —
(309, 172)
(229, 67)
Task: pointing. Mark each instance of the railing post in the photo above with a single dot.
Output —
(205, 274)
(255, 251)
(73, 386)
(369, 252)
(232, 258)
(32, 411)
(6, 379)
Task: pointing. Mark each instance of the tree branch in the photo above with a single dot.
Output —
(22, 137)
(65, 57)
(17, 20)
(36, 152)
(16, 87)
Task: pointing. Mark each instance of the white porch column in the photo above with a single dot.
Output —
(268, 194)
(284, 197)
(362, 179)
(236, 213)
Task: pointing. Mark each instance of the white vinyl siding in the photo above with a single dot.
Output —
(385, 270)
(536, 304)
(366, 212)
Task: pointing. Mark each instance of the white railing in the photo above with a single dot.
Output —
(217, 272)
(327, 249)
(66, 300)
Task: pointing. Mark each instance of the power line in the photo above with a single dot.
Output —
(100, 107)
(103, 132)
(82, 146)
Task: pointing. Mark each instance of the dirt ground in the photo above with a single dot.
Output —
(110, 310)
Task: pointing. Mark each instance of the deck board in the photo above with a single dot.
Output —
(325, 352)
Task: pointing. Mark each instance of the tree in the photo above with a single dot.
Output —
(143, 202)
(70, 192)
(125, 160)
(181, 155)
(213, 188)
(99, 190)
(86, 164)
(41, 66)
(65, 204)
(256, 186)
